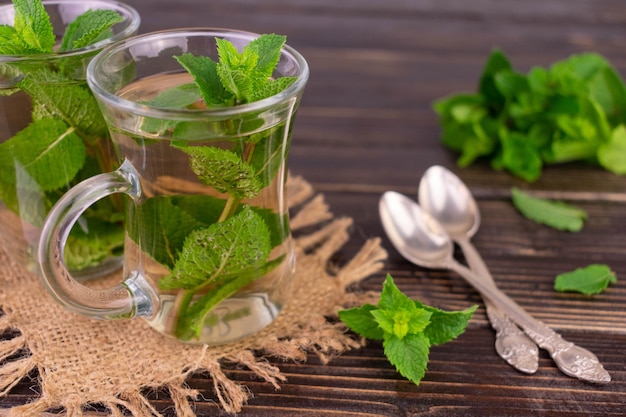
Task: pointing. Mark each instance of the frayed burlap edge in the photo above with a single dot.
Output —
(301, 328)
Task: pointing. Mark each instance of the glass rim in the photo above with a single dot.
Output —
(129, 13)
(192, 114)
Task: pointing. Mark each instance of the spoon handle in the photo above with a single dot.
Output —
(511, 343)
(572, 360)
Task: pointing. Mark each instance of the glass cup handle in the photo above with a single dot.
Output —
(131, 298)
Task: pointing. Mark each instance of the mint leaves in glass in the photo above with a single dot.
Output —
(53, 134)
(201, 120)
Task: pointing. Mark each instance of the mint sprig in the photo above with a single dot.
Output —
(573, 110)
(238, 77)
(214, 247)
(408, 328)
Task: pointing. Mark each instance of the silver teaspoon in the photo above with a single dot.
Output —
(421, 240)
(445, 197)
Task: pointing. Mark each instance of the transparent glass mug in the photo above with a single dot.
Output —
(52, 136)
(204, 261)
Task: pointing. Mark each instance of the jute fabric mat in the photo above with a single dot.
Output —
(81, 362)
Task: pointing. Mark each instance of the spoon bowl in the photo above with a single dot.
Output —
(447, 198)
(414, 233)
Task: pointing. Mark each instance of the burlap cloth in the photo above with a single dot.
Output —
(81, 361)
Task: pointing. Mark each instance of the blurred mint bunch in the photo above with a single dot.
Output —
(574, 110)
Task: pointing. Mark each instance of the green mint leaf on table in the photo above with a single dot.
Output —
(445, 325)
(407, 328)
(409, 355)
(361, 321)
(555, 214)
(33, 26)
(89, 28)
(592, 279)
(523, 122)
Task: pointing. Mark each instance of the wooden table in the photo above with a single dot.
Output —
(366, 125)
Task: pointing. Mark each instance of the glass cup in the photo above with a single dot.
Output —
(52, 136)
(208, 255)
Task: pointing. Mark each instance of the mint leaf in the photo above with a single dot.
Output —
(612, 154)
(48, 150)
(409, 355)
(361, 321)
(62, 98)
(592, 279)
(204, 72)
(247, 75)
(176, 98)
(551, 213)
(236, 71)
(223, 170)
(267, 47)
(520, 157)
(33, 26)
(164, 243)
(446, 325)
(88, 28)
(496, 62)
(240, 243)
(391, 298)
(271, 88)
(12, 44)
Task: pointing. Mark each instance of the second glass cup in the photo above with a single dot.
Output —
(52, 135)
(208, 256)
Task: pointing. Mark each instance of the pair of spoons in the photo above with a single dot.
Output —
(424, 236)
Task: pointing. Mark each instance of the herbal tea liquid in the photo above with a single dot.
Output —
(177, 167)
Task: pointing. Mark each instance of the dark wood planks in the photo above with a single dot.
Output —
(365, 126)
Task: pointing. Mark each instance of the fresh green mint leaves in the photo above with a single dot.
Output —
(407, 328)
(574, 110)
(33, 33)
(590, 280)
(215, 246)
(67, 136)
(238, 78)
(555, 214)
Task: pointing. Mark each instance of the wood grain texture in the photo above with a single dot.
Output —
(366, 125)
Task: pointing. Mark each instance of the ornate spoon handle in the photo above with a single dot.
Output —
(572, 360)
(511, 343)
